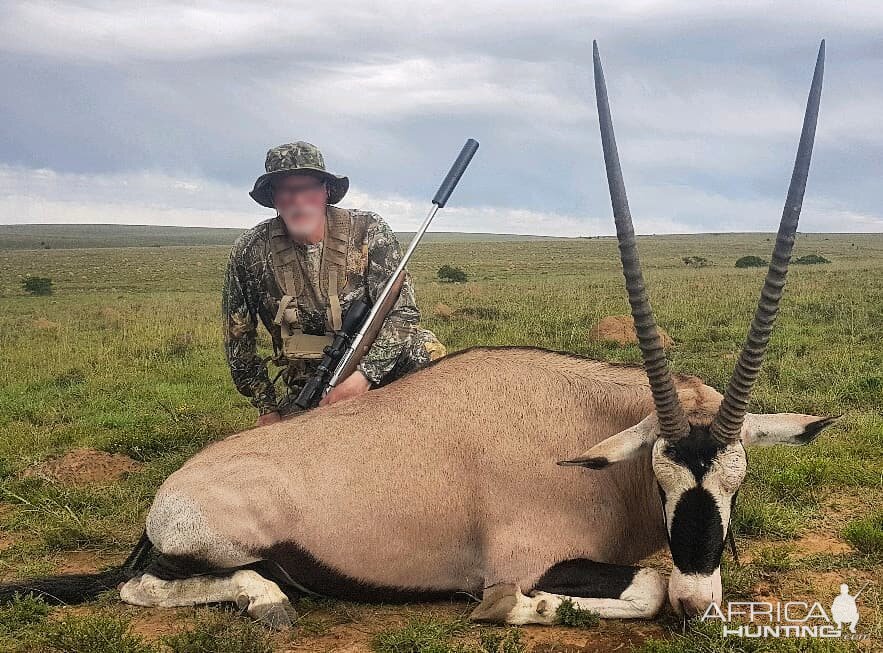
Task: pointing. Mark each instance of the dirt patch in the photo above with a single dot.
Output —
(610, 636)
(813, 543)
(621, 330)
(85, 467)
(443, 311)
(86, 562)
(154, 623)
(841, 507)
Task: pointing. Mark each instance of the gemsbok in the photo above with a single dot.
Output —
(456, 481)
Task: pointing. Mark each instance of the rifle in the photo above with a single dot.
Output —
(362, 321)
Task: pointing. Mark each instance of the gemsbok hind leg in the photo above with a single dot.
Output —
(261, 598)
(613, 591)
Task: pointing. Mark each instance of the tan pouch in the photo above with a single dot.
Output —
(299, 345)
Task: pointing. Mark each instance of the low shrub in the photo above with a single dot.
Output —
(452, 274)
(37, 286)
(751, 262)
(696, 261)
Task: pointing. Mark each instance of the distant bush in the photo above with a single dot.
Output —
(450, 273)
(751, 262)
(810, 259)
(37, 285)
(696, 261)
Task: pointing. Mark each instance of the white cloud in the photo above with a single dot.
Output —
(175, 102)
(45, 196)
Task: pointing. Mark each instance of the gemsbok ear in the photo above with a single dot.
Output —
(782, 428)
(622, 446)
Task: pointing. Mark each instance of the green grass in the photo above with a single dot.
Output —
(92, 633)
(775, 558)
(705, 637)
(570, 614)
(866, 534)
(435, 635)
(126, 356)
(219, 632)
(422, 635)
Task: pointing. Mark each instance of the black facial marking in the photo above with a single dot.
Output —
(697, 534)
(599, 462)
(662, 499)
(587, 579)
(696, 451)
(812, 431)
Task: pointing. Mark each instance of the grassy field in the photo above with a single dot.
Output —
(125, 357)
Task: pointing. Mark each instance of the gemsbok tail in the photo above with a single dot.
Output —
(70, 589)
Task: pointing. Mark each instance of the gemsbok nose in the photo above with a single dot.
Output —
(691, 594)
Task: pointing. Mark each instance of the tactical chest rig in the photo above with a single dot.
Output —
(293, 278)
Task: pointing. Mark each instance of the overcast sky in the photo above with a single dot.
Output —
(162, 112)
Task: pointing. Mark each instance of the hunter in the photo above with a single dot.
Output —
(299, 272)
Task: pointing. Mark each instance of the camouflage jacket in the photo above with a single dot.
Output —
(252, 293)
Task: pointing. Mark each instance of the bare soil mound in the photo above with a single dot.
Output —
(44, 324)
(443, 311)
(621, 330)
(84, 467)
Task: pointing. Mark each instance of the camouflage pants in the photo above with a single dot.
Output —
(421, 348)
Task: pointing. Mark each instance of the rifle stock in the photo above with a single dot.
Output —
(359, 350)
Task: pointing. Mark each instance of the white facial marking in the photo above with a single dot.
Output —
(723, 478)
(692, 593)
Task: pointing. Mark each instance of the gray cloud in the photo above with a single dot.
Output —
(119, 107)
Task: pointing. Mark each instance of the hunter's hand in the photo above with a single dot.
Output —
(352, 386)
(268, 418)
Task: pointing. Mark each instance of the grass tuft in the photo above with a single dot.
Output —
(422, 635)
(501, 641)
(92, 633)
(22, 613)
(570, 614)
(220, 632)
(775, 558)
(866, 534)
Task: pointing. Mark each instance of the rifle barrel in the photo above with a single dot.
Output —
(378, 305)
(393, 284)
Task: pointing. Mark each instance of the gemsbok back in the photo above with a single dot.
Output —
(445, 482)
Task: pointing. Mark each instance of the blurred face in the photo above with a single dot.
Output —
(300, 200)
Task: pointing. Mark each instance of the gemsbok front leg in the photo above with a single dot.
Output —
(613, 591)
(260, 597)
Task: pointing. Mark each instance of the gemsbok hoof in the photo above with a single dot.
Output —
(278, 616)
(496, 603)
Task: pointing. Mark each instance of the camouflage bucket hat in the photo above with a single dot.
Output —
(294, 158)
